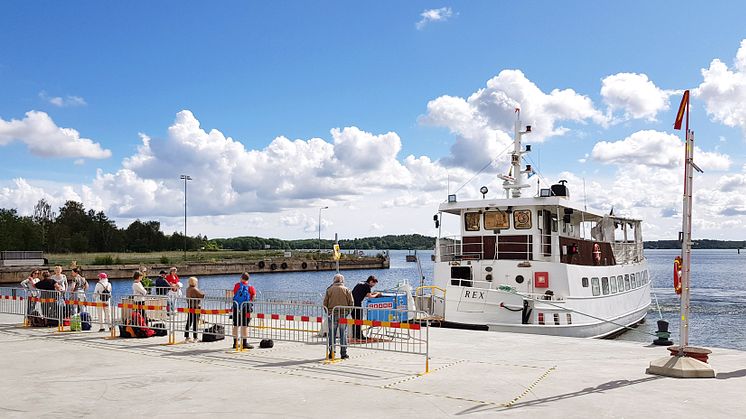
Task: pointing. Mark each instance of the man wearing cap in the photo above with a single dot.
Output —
(102, 294)
(337, 295)
(161, 285)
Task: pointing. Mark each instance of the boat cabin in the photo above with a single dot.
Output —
(551, 229)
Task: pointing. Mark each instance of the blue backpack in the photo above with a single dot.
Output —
(242, 295)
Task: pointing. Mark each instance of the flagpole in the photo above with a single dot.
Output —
(687, 361)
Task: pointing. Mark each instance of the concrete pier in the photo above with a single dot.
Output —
(14, 275)
(52, 374)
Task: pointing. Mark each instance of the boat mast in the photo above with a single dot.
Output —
(515, 180)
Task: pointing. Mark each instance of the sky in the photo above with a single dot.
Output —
(374, 110)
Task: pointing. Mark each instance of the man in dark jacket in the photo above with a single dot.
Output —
(362, 291)
(161, 285)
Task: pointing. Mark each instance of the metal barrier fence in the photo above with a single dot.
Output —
(379, 329)
(285, 321)
(209, 317)
(290, 297)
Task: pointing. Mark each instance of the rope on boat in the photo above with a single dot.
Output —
(588, 315)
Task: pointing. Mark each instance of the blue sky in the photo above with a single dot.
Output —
(257, 71)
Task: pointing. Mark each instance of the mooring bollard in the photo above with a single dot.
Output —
(662, 334)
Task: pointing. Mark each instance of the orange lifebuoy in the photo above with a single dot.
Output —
(677, 274)
(597, 253)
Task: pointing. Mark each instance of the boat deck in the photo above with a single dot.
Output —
(472, 373)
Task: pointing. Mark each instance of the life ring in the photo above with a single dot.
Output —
(304, 265)
(284, 265)
(261, 264)
(597, 253)
(273, 266)
(677, 274)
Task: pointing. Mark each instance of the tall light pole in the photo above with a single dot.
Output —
(322, 208)
(185, 178)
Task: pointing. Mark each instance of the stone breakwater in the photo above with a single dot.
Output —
(15, 274)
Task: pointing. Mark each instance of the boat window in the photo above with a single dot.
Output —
(461, 276)
(626, 282)
(471, 221)
(522, 219)
(569, 318)
(595, 286)
(605, 285)
(633, 279)
(612, 283)
(645, 275)
(584, 281)
(620, 282)
(496, 220)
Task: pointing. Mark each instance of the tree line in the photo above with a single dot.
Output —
(390, 242)
(75, 229)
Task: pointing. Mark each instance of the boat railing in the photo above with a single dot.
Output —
(627, 252)
(491, 247)
(431, 300)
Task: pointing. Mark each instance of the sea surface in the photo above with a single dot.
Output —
(718, 298)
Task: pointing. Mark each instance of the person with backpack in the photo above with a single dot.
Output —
(243, 295)
(194, 299)
(102, 294)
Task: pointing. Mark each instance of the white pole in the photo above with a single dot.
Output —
(686, 243)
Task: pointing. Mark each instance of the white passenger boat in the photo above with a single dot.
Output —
(540, 264)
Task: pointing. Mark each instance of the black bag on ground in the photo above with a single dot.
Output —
(124, 332)
(266, 343)
(36, 320)
(159, 328)
(213, 333)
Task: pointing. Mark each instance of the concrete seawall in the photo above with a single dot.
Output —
(10, 275)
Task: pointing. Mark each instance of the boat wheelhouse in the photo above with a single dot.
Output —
(541, 264)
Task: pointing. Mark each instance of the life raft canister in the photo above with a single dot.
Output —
(597, 253)
(677, 274)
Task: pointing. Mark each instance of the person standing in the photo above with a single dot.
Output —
(60, 278)
(162, 286)
(138, 293)
(77, 286)
(194, 299)
(243, 295)
(362, 291)
(337, 295)
(172, 278)
(48, 289)
(28, 285)
(102, 294)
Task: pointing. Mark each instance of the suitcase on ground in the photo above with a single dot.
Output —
(159, 328)
(213, 333)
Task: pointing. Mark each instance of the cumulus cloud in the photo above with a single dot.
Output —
(635, 95)
(723, 90)
(44, 138)
(63, 102)
(655, 148)
(434, 15)
(483, 122)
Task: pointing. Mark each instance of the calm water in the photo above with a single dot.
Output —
(718, 295)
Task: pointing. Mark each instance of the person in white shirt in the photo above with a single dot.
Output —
(102, 294)
(173, 294)
(60, 279)
(28, 285)
(77, 286)
(138, 293)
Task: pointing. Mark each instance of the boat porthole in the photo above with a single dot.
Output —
(488, 269)
(519, 279)
(488, 278)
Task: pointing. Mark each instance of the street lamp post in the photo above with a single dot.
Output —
(322, 208)
(185, 178)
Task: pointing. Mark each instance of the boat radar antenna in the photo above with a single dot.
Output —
(516, 179)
